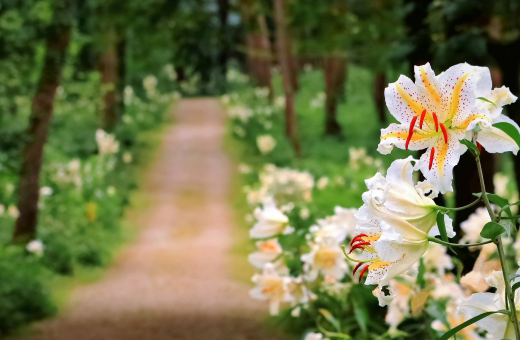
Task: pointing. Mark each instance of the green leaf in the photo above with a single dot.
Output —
(510, 130)
(360, 313)
(463, 325)
(507, 226)
(515, 286)
(491, 230)
(420, 274)
(442, 230)
(472, 147)
(513, 276)
(487, 100)
(498, 200)
(330, 318)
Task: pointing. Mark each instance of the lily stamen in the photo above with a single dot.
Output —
(431, 158)
(365, 268)
(421, 121)
(410, 132)
(356, 267)
(436, 120)
(445, 133)
(357, 237)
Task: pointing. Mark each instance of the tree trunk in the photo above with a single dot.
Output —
(264, 71)
(286, 71)
(334, 72)
(57, 43)
(508, 59)
(108, 67)
(121, 72)
(223, 11)
(379, 96)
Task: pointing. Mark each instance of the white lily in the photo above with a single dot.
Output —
(454, 319)
(435, 112)
(270, 221)
(394, 224)
(270, 286)
(326, 258)
(497, 325)
(268, 251)
(473, 226)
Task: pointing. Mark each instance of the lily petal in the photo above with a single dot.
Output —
(495, 324)
(445, 157)
(495, 140)
(396, 135)
(427, 83)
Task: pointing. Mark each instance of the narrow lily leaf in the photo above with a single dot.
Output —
(498, 200)
(421, 282)
(442, 230)
(510, 130)
(472, 147)
(360, 313)
(471, 321)
(515, 287)
(330, 318)
(487, 100)
(491, 230)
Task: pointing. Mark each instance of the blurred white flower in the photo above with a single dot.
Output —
(12, 211)
(270, 286)
(314, 336)
(45, 191)
(106, 142)
(268, 251)
(150, 85)
(169, 70)
(437, 258)
(304, 213)
(473, 225)
(2, 209)
(270, 221)
(128, 94)
(9, 188)
(318, 101)
(261, 92)
(326, 258)
(36, 247)
(244, 168)
(265, 143)
(111, 190)
(279, 102)
(127, 157)
(322, 183)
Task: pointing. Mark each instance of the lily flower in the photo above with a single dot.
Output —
(498, 325)
(393, 225)
(268, 251)
(325, 257)
(270, 221)
(435, 112)
(270, 286)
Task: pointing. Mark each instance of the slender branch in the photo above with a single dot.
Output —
(436, 240)
(459, 208)
(507, 206)
(509, 293)
(483, 188)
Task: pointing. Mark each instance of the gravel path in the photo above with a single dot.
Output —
(173, 282)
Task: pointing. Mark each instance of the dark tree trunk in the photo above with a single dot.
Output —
(508, 58)
(57, 43)
(379, 96)
(108, 67)
(223, 11)
(264, 71)
(335, 73)
(121, 72)
(286, 71)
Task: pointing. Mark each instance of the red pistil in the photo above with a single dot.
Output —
(431, 158)
(445, 133)
(410, 132)
(479, 146)
(423, 114)
(358, 246)
(357, 237)
(363, 272)
(357, 267)
(436, 122)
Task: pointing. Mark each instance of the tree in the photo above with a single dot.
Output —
(57, 42)
(286, 69)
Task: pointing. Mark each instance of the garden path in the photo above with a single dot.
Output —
(173, 282)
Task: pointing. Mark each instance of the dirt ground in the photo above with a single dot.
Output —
(173, 282)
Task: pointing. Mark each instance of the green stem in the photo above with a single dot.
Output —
(352, 259)
(459, 208)
(509, 293)
(498, 241)
(436, 240)
(483, 188)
